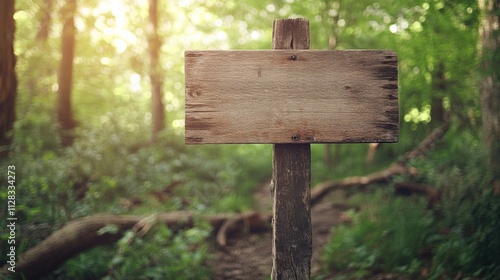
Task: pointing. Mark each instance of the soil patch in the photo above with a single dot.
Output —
(248, 256)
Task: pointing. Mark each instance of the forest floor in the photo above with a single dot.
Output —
(248, 256)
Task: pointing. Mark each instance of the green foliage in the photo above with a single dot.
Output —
(485, 242)
(163, 256)
(469, 208)
(344, 161)
(108, 163)
(387, 235)
(471, 246)
(92, 264)
(452, 255)
(160, 254)
(457, 237)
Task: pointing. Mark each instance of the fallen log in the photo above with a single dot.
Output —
(84, 233)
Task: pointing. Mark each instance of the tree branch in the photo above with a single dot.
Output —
(397, 168)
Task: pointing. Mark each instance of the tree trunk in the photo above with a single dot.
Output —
(490, 82)
(440, 85)
(64, 109)
(8, 81)
(154, 42)
(46, 8)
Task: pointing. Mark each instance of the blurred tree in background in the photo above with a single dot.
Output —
(65, 81)
(8, 80)
(155, 72)
(490, 80)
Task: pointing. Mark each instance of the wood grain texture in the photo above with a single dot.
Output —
(292, 227)
(291, 34)
(291, 96)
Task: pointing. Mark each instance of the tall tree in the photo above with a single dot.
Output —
(64, 109)
(45, 19)
(489, 32)
(8, 80)
(154, 43)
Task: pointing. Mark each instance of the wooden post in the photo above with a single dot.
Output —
(292, 230)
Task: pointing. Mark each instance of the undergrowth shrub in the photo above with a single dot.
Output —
(388, 235)
(468, 224)
(109, 163)
(160, 254)
(456, 239)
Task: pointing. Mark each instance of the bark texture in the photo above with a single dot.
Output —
(8, 80)
(292, 228)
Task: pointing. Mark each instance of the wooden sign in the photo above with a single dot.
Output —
(291, 96)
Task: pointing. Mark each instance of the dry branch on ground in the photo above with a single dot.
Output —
(384, 176)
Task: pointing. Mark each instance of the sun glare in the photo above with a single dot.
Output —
(115, 28)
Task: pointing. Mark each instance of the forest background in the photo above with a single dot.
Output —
(94, 123)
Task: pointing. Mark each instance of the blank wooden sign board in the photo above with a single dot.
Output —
(291, 97)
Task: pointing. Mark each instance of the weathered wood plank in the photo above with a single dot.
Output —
(292, 227)
(291, 96)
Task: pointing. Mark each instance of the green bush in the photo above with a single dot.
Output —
(386, 236)
(455, 238)
(485, 242)
(160, 254)
(468, 209)
(472, 249)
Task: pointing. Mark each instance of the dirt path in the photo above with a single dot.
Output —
(248, 256)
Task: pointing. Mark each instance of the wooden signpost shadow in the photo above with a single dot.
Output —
(291, 97)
